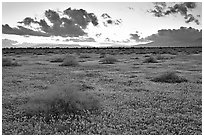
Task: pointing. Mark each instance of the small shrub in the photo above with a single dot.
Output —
(147, 56)
(150, 60)
(160, 57)
(70, 61)
(63, 100)
(134, 57)
(9, 62)
(173, 52)
(109, 60)
(169, 77)
(84, 56)
(57, 60)
(102, 55)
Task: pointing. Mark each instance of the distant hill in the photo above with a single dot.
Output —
(44, 45)
(196, 43)
(6, 43)
(187, 37)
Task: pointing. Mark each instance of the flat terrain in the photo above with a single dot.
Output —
(131, 103)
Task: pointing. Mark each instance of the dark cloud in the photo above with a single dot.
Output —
(98, 35)
(44, 26)
(190, 5)
(81, 17)
(73, 25)
(109, 20)
(94, 19)
(53, 16)
(183, 34)
(6, 29)
(105, 16)
(161, 9)
(63, 26)
(107, 39)
(27, 21)
(118, 21)
(136, 37)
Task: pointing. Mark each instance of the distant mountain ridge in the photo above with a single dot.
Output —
(172, 44)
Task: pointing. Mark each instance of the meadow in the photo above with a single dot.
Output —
(102, 91)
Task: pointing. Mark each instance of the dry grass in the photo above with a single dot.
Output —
(160, 57)
(109, 60)
(84, 56)
(9, 62)
(57, 59)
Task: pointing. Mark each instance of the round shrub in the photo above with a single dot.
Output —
(109, 60)
(102, 55)
(70, 60)
(150, 60)
(169, 77)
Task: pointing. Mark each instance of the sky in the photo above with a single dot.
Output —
(126, 18)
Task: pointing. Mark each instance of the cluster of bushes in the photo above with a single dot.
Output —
(60, 100)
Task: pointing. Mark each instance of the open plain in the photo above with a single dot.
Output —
(123, 96)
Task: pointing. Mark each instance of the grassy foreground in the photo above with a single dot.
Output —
(128, 97)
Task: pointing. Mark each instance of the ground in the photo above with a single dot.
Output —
(131, 102)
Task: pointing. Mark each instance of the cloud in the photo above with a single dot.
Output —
(27, 21)
(72, 24)
(137, 37)
(53, 16)
(161, 9)
(109, 21)
(44, 26)
(81, 17)
(183, 34)
(19, 30)
(81, 40)
(131, 8)
(105, 16)
(134, 36)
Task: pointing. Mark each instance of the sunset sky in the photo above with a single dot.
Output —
(125, 18)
